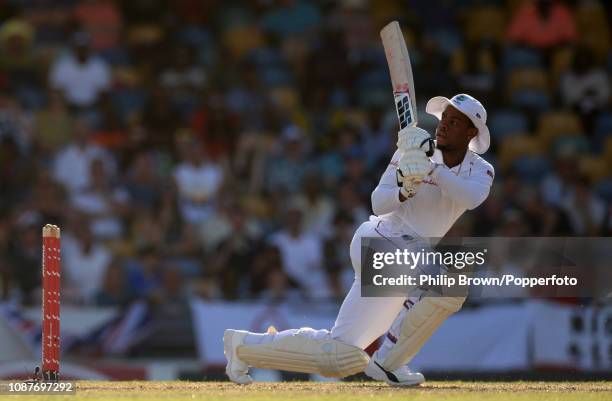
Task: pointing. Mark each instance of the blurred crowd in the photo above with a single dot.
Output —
(228, 150)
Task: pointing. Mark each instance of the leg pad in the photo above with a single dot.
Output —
(300, 353)
(420, 322)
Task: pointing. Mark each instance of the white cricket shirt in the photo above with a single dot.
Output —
(440, 199)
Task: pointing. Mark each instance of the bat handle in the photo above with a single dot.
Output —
(406, 114)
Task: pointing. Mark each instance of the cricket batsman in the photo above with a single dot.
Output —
(417, 197)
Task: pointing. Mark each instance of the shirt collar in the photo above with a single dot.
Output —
(438, 159)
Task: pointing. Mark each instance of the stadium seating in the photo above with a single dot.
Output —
(595, 168)
(607, 150)
(556, 123)
(531, 168)
(520, 57)
(561, 61)
(531, 100)
(577, 144)
(594, 29)
(603, 131)
(241, 40)
(284, 97)
(485, 23)
(517, 146)
(603, 126)
(527, 79)
(604, 189)
(528, 89)
(507, 122)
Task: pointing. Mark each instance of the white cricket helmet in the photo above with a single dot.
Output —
(473, 109)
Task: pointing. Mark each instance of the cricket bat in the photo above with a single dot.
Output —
(400, 70)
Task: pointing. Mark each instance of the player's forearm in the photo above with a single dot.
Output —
(385, 199)
(468, 193)
(386, 196)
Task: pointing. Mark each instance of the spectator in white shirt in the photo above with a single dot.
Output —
(72, 165)
(585, 87)
(84, 264)
(317, 208)
(184, 78)
(102, 203)
(198, 181)
(81, 76)
(302, 256)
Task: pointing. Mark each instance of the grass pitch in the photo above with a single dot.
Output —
(326, 391)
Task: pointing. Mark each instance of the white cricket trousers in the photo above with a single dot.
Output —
(360, 320)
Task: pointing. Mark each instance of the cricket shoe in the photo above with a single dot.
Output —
(236, 370)
(402, 377)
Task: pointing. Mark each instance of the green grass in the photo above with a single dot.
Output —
(298, 391)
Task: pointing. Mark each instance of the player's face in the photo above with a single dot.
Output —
(454, 131)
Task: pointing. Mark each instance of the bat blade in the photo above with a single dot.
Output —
(400, 70)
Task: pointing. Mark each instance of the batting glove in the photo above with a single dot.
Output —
(415, 138)
(413, 166)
